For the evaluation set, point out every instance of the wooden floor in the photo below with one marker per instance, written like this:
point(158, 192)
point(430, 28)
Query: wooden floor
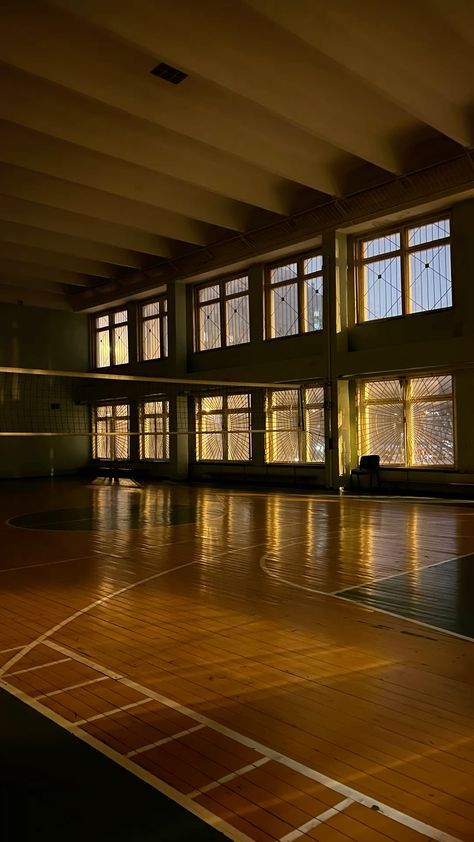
point(197, 637)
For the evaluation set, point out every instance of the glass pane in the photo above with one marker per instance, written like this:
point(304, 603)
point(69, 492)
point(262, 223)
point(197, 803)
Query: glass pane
point(381, 245)
point(314, 395)
point(314, 434)
point(382, 289)
point(283, 273)
point(313, 294)
point(427, 233)
point(313, 264)
point(284, 397)
point(430, 433)
point(164, 322)
point(151, 339)
point(210, 443)
point(212, 403)
point(121, 442)
point(208, 293)
point(237, 285)
point(121, 317)
point(381, 421)
point(284, 311)
point(429, 285)
point(101, 321)
point(121, 345)
point(103, 349)
point(238, 401)
point(382, 390)
point(282, 440)
point(151, 309)
point(102, 442)
point(237, 320)
point(210, 326)
point(238, 443)
point(122, 410)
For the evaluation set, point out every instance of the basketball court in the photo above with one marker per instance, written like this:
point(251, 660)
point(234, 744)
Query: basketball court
point(281, 665)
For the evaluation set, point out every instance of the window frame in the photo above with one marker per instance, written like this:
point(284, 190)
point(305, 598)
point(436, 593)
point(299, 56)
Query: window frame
point(224, 431)
point(112, 404)
point(404, 253)
point(303, 406)
point(404, 380)
point(110, 329)
point(165, 435)
point(162, 317)
point(299, 281)
point(222, 300)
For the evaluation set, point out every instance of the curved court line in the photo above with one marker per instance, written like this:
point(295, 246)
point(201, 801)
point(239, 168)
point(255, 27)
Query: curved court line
point(369, 608)
point(420, 569)
point(45, 564)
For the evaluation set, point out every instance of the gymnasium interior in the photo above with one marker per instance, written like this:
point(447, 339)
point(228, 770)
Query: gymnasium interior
point(236, 421)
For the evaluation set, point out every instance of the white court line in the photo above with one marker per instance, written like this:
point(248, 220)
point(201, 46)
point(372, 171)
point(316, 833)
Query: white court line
point(323, 817)
point(161, 786)
point(230, 777)
point(110, 712)
point(82, 660)
point(164, 740)
point(396, 575)
point(12, 649)
point(37, 667)
point(343, 789)
point(70, 687)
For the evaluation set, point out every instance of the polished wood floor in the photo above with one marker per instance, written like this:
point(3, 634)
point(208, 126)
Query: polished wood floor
point(197, 636)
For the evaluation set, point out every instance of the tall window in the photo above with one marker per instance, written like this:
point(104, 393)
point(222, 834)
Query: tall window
point(223, 428)
point(295, 425)
point(407, 270)
point(111, 431)
point(294, 296)
point(154, 430)
point(111, 338)
point(154, 329)
point(408, 421)
point(222, 314)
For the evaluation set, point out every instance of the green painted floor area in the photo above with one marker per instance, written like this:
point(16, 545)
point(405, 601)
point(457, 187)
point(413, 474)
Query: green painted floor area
point(55, 788)
point(442, 595)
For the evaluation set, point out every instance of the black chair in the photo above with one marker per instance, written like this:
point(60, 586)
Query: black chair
point(368, 466)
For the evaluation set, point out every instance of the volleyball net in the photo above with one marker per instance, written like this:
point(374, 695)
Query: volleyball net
point(136, 417)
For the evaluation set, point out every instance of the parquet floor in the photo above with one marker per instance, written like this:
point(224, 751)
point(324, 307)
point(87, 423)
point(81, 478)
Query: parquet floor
point(196, 636)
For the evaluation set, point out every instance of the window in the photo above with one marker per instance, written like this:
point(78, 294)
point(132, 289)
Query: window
point(222, 314)
point(407, 270)
point(111, 339)
point(154, 329)
point(295, 425)
point(223, 428)
point(294, 296)
point(408, 421)
point(154, 430)
point(111, 431)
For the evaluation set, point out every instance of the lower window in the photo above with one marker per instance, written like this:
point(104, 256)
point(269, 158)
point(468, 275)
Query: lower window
point(111, 432)
point(223, 428)
point(408, 421)
point(154, 430)
point(295, 425)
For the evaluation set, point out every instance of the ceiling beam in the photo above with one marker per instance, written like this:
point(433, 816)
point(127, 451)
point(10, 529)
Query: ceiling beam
point(66, 195)
point(86, 228)
point(19, 269)
point(31, 297)
point(54, 260)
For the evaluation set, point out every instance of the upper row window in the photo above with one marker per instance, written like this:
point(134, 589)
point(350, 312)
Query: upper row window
point(111, 334)
point(407, 270)
point(111, 339)
point(222, 314)
point(294, 296)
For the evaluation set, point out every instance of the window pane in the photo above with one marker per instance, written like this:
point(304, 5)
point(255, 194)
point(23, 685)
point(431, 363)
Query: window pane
point(283, 273)
point(381, 245)
point(313, 264)
point(151, 339)
point(381, 421)
point(209, 326)
point(101, 321)
point(208, 293)
point(121, 317)
point(151, 309)
point(430, 425)
point(314, 434)
point(212, 404)
point(121, 345)
point(237, 320)
point(102, 349)
point(121, 441)
point(313, 293)
point(314, 395)
point(430, 387)
point(429, 285)
point(237, 285)
point(102, 442)
point(283, 430)
point(164, 323)
point(427, 233)
point(382, 289)
point(210, 441)
point(238, 402)
point(238, 443)
point(284, 310)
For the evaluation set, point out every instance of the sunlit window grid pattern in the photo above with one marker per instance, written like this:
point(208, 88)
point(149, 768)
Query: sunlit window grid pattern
point(154, 430)
point(154, 329)
point(223, 428)
point(294, 296)
point(408, 422)
point(405, 271)
point(295, 425)
point(111, 426)
point(222, 314)
point(111, 339)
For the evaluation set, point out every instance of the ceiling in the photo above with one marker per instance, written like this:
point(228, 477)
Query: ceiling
point(108, 173)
